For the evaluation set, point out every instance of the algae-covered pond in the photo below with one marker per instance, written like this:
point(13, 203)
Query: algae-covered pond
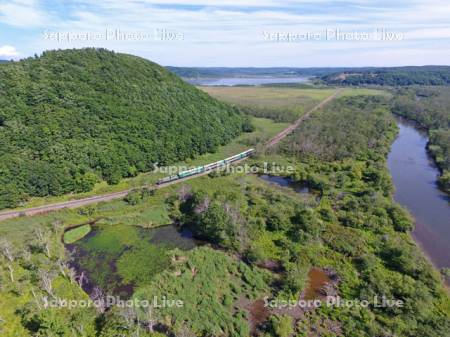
point(118, 258)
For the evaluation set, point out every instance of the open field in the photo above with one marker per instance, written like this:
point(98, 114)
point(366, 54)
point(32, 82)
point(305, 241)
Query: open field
point(280, 104)
point(277, 103)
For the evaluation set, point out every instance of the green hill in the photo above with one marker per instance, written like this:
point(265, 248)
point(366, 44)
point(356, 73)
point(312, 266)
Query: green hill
point(395, 76)
point(71, 117)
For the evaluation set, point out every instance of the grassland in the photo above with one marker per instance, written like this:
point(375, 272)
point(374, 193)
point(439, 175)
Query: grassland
point(277, 103)
point(280, 104)
point(75, 234)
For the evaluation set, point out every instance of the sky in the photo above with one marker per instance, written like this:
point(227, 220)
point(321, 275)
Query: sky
point(258, 33)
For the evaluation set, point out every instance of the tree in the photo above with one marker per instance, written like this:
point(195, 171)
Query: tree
point(282, 325)
point(7, 251)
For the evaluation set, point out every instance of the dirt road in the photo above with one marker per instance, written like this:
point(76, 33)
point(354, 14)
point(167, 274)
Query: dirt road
point(118, 195)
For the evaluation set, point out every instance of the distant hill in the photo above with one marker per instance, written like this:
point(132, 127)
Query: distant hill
point(393, 76)
point(71, 117)
point(396, 76)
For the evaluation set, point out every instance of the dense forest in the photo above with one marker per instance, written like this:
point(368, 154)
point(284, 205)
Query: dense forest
point(429, 106)
point(70, 118)
point(348, 128)
point(395, 76)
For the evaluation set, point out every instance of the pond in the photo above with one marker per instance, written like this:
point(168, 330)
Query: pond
point(415, 178)
point(287, 182)
point(118, 258)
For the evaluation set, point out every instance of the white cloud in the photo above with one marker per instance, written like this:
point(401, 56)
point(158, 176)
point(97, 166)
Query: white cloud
point(8, 51)
point(226, 32)
point(22, 13)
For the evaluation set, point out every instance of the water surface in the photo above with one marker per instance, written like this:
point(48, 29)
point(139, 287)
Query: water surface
point(286, 182)
point(254, 81)
point(118, 258)
point(415, 178)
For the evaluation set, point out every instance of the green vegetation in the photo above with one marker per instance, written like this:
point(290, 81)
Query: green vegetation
point(264, 130)
point(355, 229)
point(117, 257)
point(209, 283)
point(349, 225)
point(75, 234)
point(395, 76)
point(70, 118)
point(347, 128)
point(278, 104)
point(429, 106)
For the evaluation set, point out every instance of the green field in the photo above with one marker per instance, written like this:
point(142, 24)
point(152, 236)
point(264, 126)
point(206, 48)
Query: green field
point(277, 103)
point(75, 234)
point(281, 104)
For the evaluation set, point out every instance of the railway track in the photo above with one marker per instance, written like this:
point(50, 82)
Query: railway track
point(121, 194)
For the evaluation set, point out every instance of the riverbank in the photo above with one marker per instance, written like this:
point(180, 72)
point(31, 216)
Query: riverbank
point(414, 175)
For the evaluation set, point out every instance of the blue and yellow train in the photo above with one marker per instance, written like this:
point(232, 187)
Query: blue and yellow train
point(206, 168)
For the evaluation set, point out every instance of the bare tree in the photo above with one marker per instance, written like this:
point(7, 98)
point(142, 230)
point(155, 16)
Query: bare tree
point(129, 316)
point(57, 225)
point(44, 240)
point(36, 298)
point(72, 275)
point(82, 279)
point(26, 253)
point(46, 281)
point(98, 296)
point(7, 251)
point(63, 267)
point(11, 272)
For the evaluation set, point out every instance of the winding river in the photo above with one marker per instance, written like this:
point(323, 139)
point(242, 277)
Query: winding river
point(415, 178)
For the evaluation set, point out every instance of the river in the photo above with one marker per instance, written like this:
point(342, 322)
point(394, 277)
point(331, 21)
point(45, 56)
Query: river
point(415, 178)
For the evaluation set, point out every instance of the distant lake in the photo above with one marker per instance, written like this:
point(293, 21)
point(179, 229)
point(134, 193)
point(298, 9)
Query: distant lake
point(255, 81)
point(414, 175)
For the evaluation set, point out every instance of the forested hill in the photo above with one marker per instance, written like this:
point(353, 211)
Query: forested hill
point(396, 76)
point(71, 117)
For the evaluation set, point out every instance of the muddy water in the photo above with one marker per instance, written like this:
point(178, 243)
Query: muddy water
point(414, 175)
point(317, 280)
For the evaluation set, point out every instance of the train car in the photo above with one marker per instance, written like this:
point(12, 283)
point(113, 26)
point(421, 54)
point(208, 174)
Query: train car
point(205, 168)
point(191, 172)
point(166, 179)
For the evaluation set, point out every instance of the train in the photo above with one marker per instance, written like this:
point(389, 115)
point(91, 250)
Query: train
point(206, 168)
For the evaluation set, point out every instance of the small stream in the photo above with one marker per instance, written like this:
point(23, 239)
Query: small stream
point(415, 178)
